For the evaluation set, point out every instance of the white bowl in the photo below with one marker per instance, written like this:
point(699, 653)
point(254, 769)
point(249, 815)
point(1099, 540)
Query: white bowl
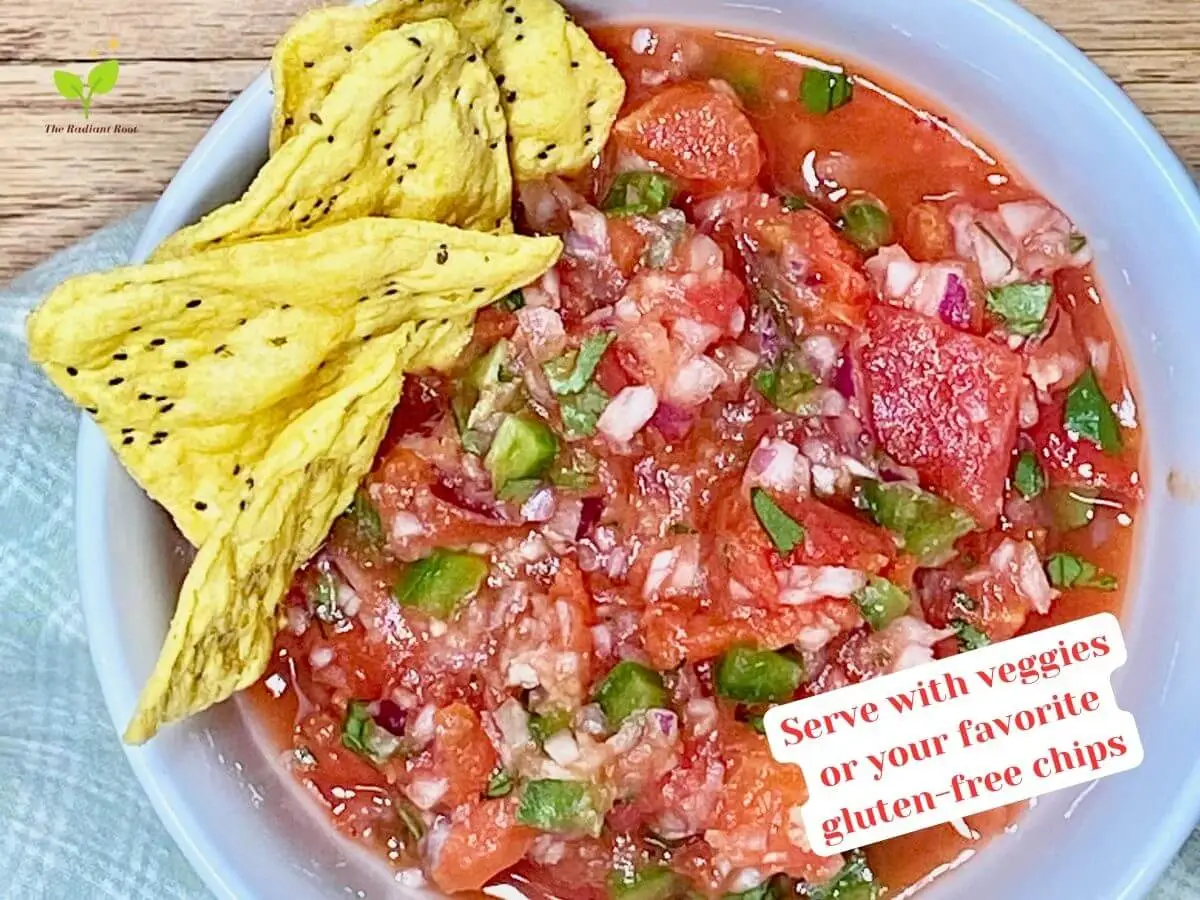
point(1047, 110)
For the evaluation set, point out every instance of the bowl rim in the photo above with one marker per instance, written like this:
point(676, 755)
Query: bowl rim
point(94, 459)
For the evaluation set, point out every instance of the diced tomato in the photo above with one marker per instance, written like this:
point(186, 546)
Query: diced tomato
point(799, 257)
point(672, 634)
point(483, 841)
point(462, 753)
point(717, 301)
point(588, 283)
point(835, 538)
point(627, 245)
point(945, 403)
point(610, 374)
point(646, 354)
point(742, 560)
point(757, 823)
point(1077, 462)
point(696, 133)
point(423, 401)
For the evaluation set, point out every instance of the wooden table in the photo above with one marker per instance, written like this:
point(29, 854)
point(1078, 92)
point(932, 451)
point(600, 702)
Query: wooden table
point(182, 61)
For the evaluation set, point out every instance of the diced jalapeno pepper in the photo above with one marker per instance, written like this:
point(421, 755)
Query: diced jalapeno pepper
point(563, 807)
point(788, 385)
point(551, 722)
point(365, 737)
point(646, 883)
point(866, 223)
point(926, 524)
point(440, 582)
point(523, 448)
point(969, 637)
point(1066, 570)
point(367, 524)
point(500, 784)
point(757, 676)
point(639, 194)
point(628, 688)
point(481, 375)
point(881, 602)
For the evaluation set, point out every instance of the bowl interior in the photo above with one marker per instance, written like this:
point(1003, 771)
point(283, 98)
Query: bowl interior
point(1043, 108)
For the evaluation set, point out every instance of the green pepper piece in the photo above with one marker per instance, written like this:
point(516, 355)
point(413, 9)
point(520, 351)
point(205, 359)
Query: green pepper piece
point(757, 676)
point(1077, 242)
point(475, 392)
point(969, 637)
point(1028, 477)
point(562, 807)
point(547, 724)
point(866, 223)
point(1022, 307)
point(854, 881)
point(523, 448)
point(788, 385)
point(499, 785)
point(793, 202)
point(518, 491)
point(628, 688)
point(1089, 414)
point(574, 469)
point(1066, 570)
point(881, 602)
point(639, 194)
point(322, 597)
point(927, 525)
point(785, 532)
point(823, 91)
point(441, 582)
point(580, 412)
point(764, 891)
point(646, 883)
point(571, 372)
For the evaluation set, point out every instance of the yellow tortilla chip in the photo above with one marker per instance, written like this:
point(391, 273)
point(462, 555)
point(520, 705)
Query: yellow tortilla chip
point(560, 93)
point(224, 625)
point(413, 129)
point(193, 367)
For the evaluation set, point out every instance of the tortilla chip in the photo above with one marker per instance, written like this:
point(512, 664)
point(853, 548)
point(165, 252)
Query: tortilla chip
point(561, 94)
point(224, 625)
point(414, 129)
point(193, 367)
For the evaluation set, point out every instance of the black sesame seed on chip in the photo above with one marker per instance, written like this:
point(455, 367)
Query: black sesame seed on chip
point(201, 505)
point(72, 371)
point(237, 469)
point(390, 292)
point(242, 505)
point(145, 397)
point(473, 58)
point(416, 42)
point(136, 328)
point(127, 441)
point(391, 160)
point(330, 139)
point(192, 304)
point(289, 122)
point(180, 364)
point(417, 83)
point(160, 434)
point(113, 382)
point(278, 341)
point(308, 65)
point(91, 409)
point(158, 342)
point(348, 49)
point(574, 64)
point(443, 255)
point(315, 118)
point(120, 357)
point(412, 167)
point(126, 431)
point(166, 407)
point(376, 133)
point(511, 96)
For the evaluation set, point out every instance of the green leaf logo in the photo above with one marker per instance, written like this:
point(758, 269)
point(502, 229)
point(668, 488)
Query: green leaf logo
point(69, 85)
point(100, 80)
point(103, 77)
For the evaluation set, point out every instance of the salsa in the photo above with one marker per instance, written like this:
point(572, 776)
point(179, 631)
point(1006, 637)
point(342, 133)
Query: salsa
point(819, 390)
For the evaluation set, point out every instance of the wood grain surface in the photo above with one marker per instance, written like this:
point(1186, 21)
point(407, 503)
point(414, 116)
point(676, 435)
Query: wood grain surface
point(183, 61)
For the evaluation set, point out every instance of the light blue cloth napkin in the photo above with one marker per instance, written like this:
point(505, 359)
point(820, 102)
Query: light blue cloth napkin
point(74, 824)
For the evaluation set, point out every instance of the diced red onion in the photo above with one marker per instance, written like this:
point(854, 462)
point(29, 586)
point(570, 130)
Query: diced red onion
point(695, 336)
point(911, 640)
point(955, 308)
point(1099, 352)
point(562, 747)
point(695, 382)
point(661, 566)
point(673, 422)
point(778, 466)
point(602, 639)
point(405, 525)
point(801, 585)
point(588, 237)
point(426, 792)
point(298, 618)
point(843, 376)
point(422, 726)
point(820, 352)
point(320, 656)
point(543, 330)
point(737, 361)
point(540, 507)
point(628, 413)
point(391, 717)
point(591, 509)
point(666, 720)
